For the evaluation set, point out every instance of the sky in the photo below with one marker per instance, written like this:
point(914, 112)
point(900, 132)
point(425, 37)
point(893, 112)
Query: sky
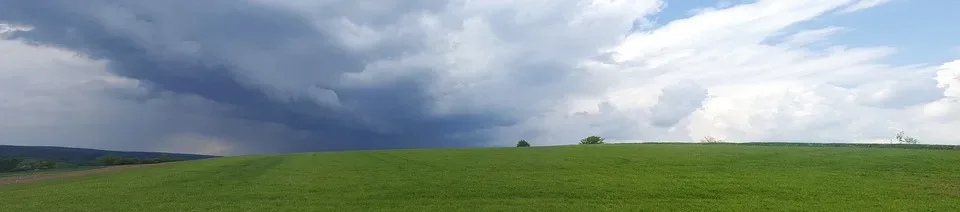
point(228, 77)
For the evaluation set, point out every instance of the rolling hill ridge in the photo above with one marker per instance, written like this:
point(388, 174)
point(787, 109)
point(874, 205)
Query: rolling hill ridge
point(607, 177)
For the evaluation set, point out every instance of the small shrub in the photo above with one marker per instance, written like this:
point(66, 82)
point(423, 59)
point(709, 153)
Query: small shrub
point(523, 143)
point(592, 140)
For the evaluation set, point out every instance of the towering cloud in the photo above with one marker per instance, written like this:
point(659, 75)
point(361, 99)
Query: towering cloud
point(234, 77)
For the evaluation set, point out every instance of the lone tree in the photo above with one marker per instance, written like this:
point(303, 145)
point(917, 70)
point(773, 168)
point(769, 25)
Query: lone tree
point(592, 140)
point(711, 140)
point(903, 139)
point(523, 143)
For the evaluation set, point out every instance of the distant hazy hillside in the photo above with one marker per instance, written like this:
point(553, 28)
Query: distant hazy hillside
point(81, 156)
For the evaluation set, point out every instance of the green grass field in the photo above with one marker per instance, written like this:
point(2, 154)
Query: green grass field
point(636, 177)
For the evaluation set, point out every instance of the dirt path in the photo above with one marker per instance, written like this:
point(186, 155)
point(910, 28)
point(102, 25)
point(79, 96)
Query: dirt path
point(58, 175)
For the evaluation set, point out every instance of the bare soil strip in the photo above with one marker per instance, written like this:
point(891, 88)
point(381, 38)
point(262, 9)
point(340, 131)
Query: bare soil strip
point(58, 175)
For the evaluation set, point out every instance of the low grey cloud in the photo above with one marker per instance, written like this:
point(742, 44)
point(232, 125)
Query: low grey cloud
point(329, 74)
point(249, 62)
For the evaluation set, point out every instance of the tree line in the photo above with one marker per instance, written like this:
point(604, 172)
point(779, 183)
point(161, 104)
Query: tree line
point(900, 138)
point(16, 164)
point(113, 160)
point(11, 164)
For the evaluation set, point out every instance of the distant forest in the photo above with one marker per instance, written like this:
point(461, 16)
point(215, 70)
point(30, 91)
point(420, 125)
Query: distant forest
point(34, 158)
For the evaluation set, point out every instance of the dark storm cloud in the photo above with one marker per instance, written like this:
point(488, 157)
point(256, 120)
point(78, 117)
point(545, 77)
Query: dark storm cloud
point(256, 60)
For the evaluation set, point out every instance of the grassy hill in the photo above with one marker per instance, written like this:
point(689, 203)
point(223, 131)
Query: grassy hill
point(637, 177)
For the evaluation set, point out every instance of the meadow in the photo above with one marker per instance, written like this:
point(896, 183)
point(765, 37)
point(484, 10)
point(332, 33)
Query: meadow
point(51, 171)
point(608, 177)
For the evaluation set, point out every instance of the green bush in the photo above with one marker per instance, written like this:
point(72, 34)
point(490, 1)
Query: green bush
point(592, 140)
point(9, 163)
point(523, 143)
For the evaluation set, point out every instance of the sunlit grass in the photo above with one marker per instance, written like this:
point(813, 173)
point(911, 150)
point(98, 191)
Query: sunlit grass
point(611, 177)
